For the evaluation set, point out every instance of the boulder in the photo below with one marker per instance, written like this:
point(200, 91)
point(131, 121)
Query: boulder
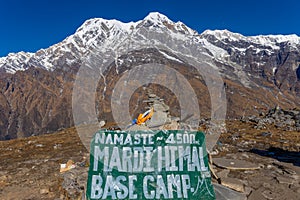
point(234, 164)
point(224, 193)
point(233, 183)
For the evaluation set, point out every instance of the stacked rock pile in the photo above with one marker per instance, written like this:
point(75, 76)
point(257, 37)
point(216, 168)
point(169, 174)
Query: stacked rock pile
point(161, 113)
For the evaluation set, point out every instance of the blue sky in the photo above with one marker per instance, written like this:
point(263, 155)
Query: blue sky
point(28, 25)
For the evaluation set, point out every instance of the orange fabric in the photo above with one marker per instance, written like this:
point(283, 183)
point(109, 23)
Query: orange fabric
point(142, 119)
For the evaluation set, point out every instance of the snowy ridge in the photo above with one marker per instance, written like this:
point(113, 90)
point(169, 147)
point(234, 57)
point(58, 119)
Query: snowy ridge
point(272, 41)
point(93, 28)
point(104, 33)
point(93, 32)
point(278, 38)
point(98, 28)
point(224, 34)
point(15, 61)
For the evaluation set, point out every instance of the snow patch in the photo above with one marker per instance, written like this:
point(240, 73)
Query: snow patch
point(216, 51)
point(170, 57)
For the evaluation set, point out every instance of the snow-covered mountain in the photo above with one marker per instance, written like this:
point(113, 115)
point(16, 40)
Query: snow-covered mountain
point(258, 71)
point(98, 31)
point(94, 32)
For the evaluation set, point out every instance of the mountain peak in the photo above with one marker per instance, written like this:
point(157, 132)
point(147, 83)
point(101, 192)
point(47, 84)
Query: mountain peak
point(157, 17)
point(96, 23)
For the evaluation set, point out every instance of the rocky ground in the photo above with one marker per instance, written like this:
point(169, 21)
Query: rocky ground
point(30, 167)
point(257, 158)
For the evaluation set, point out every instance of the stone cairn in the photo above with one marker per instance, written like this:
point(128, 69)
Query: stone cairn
point(161, 113)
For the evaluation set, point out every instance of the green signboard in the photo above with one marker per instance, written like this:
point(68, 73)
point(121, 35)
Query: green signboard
point(160, 164)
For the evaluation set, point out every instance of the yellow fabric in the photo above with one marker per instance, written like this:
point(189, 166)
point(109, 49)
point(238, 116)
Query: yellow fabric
point(142, 119)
